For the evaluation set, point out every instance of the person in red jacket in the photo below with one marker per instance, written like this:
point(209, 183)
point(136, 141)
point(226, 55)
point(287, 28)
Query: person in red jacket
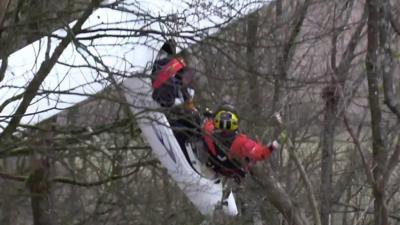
point(172, 78)
point(232, 153)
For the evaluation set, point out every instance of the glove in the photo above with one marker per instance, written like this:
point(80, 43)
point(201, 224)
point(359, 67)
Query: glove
point(278, 117)
point(189, 105)
point(274, 145)
point(208, 113)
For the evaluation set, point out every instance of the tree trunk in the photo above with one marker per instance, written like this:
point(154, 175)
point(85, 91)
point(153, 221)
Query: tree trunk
point(251, 47)
point(378, 148)
point(39, 185)
point(282, 201)
point(8, 210)
point(390, 94)
point(279, 71)
point(329, 95)
point(3, 10)
point(331, 106)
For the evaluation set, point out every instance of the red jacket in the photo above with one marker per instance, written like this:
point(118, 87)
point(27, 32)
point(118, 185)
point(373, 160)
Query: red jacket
point(243, 149)
point(168, 71)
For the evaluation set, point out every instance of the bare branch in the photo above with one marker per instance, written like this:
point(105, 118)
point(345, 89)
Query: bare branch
point(298, 23)
point(303, 174)
point(42, 73)
point(12, 177)
point(357, 144)
point(107, 180)
point(3, 68)
point(393, 160)
point(281, 200)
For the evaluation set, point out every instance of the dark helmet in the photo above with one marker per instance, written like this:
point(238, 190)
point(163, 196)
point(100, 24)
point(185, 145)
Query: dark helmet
point(169, 47)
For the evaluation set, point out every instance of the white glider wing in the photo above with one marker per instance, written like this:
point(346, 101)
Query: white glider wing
point(205, 194)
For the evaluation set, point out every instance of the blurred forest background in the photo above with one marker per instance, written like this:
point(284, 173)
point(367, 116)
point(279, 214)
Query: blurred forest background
point(331, 68)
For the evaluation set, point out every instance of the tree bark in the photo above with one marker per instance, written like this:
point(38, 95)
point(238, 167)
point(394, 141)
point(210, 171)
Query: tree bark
point(251, 47)
point(39, 185)
point(7, 211)
point(3, 10)
point(378, 148)
point(385, 24)
point(282, 201)
point(327, 144)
